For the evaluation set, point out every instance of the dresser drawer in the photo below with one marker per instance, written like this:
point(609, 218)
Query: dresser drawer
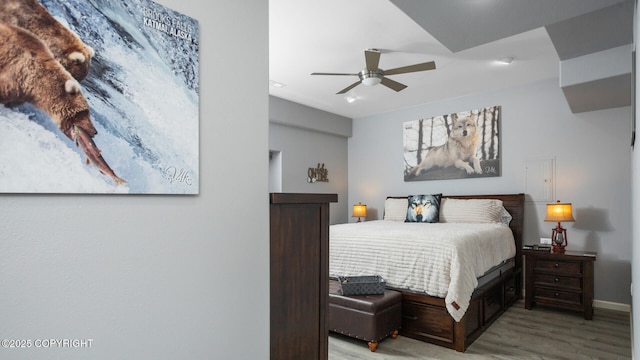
point(560, 281)
point(542, 294)
point(559, 266)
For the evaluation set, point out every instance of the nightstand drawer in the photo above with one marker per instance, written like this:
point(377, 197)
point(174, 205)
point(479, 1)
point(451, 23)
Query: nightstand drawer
point(564, 282)
point(542, 294)
point(560, 266)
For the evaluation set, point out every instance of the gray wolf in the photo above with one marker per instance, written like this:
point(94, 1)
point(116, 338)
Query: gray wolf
point(424, 208)
point(459, 150)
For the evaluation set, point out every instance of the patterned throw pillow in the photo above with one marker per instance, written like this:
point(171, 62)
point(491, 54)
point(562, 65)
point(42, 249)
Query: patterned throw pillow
point(424, 208)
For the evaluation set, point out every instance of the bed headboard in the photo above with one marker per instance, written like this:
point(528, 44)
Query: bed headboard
point(514, 203)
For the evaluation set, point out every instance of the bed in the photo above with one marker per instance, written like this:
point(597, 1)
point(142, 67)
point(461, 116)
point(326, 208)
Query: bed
point(450, 294)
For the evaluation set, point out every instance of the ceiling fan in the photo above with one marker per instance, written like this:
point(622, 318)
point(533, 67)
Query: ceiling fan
point(372, 75)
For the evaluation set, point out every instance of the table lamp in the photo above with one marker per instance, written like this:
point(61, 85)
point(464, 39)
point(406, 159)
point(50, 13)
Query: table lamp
point(559, 212)
point(359, 210)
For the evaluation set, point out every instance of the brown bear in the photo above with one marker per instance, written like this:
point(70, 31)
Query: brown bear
point(30, 73)
point(65, 45)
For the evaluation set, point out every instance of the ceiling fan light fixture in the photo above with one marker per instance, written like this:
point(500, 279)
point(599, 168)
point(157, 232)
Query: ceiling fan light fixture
point(371, 81)
point(372, 75)
point(370, 78)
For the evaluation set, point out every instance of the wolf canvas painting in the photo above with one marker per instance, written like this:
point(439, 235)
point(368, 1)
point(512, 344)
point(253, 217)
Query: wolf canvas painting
point(453, 146)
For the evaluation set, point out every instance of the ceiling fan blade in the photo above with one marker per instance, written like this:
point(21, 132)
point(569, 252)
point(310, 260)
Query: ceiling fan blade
point(349, 87)
point(411, 68)
point(394, 85)
point(372, 57)
point(340, 74)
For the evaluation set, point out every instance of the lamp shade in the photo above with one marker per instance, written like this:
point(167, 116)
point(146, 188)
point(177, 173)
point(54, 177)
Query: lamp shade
point(559, 212)
point(359, 210)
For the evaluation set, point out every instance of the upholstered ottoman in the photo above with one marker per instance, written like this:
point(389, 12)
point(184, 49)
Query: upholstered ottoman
point(365, 317)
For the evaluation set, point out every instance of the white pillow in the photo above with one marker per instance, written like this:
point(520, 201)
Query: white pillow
point(395, 209)
point(471, 211)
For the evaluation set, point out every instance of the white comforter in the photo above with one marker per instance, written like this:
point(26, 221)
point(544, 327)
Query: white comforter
point(440, 259)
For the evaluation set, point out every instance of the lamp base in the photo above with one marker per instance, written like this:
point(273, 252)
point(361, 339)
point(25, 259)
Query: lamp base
point(558, 249)
point(559, 239)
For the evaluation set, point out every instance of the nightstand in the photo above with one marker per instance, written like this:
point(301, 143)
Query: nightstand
point(560, 280)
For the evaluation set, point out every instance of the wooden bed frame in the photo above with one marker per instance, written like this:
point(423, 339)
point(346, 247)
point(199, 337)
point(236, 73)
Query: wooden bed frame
point(426, 318)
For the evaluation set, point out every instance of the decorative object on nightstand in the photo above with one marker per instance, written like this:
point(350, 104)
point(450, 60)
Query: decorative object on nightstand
point(536, 247)
point(559, 212)
point(359, 210)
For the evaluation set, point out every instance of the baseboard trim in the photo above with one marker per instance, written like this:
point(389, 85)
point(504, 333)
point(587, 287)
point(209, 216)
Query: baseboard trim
point(601, 304)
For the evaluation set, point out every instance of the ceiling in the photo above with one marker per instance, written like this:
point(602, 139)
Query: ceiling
point(465, 38)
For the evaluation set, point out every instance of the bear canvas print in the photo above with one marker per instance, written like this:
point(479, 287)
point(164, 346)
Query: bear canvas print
point(98, 97)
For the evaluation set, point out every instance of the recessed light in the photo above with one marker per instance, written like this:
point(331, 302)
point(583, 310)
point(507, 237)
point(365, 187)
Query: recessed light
point(350, 99)
point(276, 84)
point(506, 60)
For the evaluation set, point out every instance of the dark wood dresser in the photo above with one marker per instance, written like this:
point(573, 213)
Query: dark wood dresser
point(561, 280)
point(299, 275)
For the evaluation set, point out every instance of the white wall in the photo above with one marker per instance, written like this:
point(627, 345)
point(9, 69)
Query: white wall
point(591, 151)
point(305, 137)
point(158, 277)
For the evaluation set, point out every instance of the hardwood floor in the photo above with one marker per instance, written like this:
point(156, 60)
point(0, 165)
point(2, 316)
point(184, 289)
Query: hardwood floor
point(540, 333)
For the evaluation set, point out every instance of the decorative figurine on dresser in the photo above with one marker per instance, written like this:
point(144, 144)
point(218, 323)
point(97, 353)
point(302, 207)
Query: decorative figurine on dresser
point(557, 277)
